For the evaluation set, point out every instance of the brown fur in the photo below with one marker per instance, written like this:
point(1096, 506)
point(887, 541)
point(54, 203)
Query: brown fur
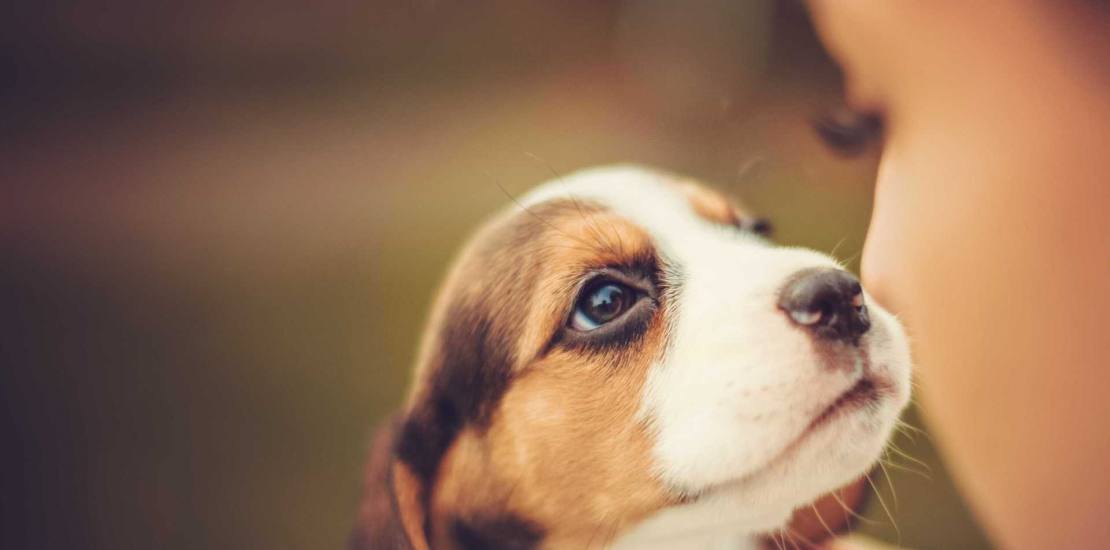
point(712, 205)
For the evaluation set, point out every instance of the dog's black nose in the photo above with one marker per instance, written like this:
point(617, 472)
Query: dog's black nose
point(828, 302)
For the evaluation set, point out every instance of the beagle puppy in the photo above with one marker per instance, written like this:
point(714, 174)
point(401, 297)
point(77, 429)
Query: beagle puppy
point(621, 360)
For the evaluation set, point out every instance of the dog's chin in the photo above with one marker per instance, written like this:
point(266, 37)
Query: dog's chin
point(841, 444)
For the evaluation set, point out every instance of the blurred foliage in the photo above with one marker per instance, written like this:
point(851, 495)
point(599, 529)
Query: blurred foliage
point(224, 223)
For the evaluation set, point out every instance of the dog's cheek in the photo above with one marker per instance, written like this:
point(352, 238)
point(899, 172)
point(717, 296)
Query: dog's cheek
point(568, 431)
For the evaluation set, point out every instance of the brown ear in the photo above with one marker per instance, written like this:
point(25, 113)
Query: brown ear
point(832, 514)
point(391, 515)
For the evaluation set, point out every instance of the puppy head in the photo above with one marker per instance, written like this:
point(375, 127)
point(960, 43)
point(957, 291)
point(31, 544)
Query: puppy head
point(620, 357)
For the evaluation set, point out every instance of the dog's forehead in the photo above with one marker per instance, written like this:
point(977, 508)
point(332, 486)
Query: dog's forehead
point(665, 205)
point(644, 196)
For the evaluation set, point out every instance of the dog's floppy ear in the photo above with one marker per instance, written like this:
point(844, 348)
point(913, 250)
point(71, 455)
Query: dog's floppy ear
point(831, 515)
point(391, 515)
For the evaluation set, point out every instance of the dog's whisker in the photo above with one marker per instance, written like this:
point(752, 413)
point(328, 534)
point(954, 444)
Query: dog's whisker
point(907, 456)
point(551, 169)
point(909, 431)
point(594, 228)
point(620, 240)
point(821, 520)
point(848, 509)
point(805, 539)
point(780, 545)
point(532, 213)
point(893, 447)
point(747, 169)
point(886, 510)
point(912, 428)
point(837, 246)
point(886, 456)
point(908, 469)
point(590, 220)
point(789, 539)
point(906, 434)
point(889, 483)
point(853, 257)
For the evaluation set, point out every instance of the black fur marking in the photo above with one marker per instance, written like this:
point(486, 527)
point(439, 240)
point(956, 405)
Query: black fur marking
point(475, 370)
point(503, 533)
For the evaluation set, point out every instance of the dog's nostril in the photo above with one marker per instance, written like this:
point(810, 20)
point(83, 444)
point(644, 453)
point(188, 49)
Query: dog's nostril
point(829, 302)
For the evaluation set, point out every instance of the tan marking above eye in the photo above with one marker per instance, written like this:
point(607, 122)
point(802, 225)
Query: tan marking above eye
point(580, 239)
point(711, 204)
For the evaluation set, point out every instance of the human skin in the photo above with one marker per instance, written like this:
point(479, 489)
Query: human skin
point(990, 238)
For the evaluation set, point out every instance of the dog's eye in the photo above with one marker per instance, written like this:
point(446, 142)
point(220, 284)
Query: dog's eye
point(614, 307)
point(600, 304)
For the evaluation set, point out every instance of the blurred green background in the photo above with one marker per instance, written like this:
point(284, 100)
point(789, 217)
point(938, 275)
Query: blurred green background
point(222, 224)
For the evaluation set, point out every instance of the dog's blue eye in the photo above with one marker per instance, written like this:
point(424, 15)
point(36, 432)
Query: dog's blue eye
point(600, 305)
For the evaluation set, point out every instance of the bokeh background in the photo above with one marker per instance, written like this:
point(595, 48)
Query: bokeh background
point(221, 224)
